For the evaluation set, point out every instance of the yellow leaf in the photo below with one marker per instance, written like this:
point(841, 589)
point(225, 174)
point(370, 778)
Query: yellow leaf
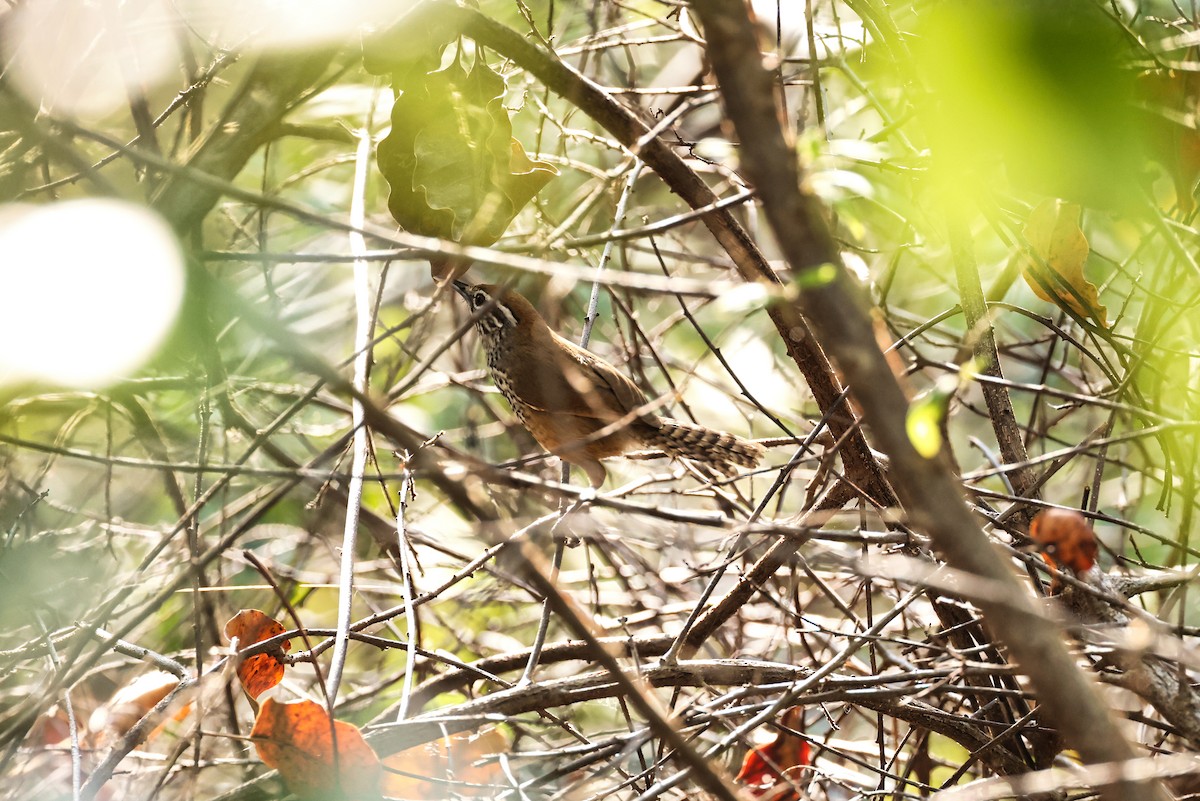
point(924, 425)
point(1054, 235)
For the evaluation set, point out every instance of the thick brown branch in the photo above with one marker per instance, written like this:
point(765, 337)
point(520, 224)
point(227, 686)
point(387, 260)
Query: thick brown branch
point(981, 334)
point(928, 492)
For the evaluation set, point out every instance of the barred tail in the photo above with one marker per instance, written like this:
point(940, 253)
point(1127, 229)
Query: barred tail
point(700, 444)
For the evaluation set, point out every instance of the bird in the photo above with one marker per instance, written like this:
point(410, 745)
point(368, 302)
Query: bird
point(576, 405)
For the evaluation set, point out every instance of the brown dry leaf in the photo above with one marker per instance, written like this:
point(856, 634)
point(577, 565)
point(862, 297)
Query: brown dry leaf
point(295, 739)
point(435, 769)
point(1054, 234)
point(130, 704)
point(53, 727)
point(260, 672)
point(445, 269)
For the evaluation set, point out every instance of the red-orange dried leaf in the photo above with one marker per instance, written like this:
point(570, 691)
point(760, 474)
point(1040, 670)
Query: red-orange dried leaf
point(131, 703)
point(764, 768)
point(1065, 539)
point(260, 672)
point(453, 763)
point(296, 739)
point(53, 727)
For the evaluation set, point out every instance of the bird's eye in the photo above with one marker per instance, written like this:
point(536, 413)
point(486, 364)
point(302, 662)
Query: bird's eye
point(479, 299)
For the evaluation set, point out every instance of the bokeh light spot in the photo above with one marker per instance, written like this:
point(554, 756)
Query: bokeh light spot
point(88, 290)
point(85, 59)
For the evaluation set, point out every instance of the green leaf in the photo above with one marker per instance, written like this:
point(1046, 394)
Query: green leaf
point(817, 277)
point(924, 425)
point(1038, 92)
point(426, 33)
point(455, 170)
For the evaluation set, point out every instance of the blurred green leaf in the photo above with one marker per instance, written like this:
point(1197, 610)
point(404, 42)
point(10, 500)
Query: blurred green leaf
point(817, 277)
point(45, 576)
point(1039, 89)
point(923, 425)
point(455, 170)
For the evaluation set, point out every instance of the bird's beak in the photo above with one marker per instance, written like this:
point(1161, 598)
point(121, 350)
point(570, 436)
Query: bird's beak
point(462, 288)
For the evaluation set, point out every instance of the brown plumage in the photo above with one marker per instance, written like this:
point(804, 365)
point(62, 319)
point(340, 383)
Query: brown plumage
point(566, 395)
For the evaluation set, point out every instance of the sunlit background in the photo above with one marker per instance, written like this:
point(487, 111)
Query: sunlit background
point(88, 290)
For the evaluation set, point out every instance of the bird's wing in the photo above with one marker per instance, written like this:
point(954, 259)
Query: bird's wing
point(593, 387)
point(614, 392)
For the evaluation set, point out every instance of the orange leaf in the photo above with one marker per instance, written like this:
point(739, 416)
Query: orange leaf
point(53, 727)
point(297, 740)
point(131, 703)
point(1065, 539)
point(260, 672)
point(765, 766)
point(435, 769)
point(1054, 234)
